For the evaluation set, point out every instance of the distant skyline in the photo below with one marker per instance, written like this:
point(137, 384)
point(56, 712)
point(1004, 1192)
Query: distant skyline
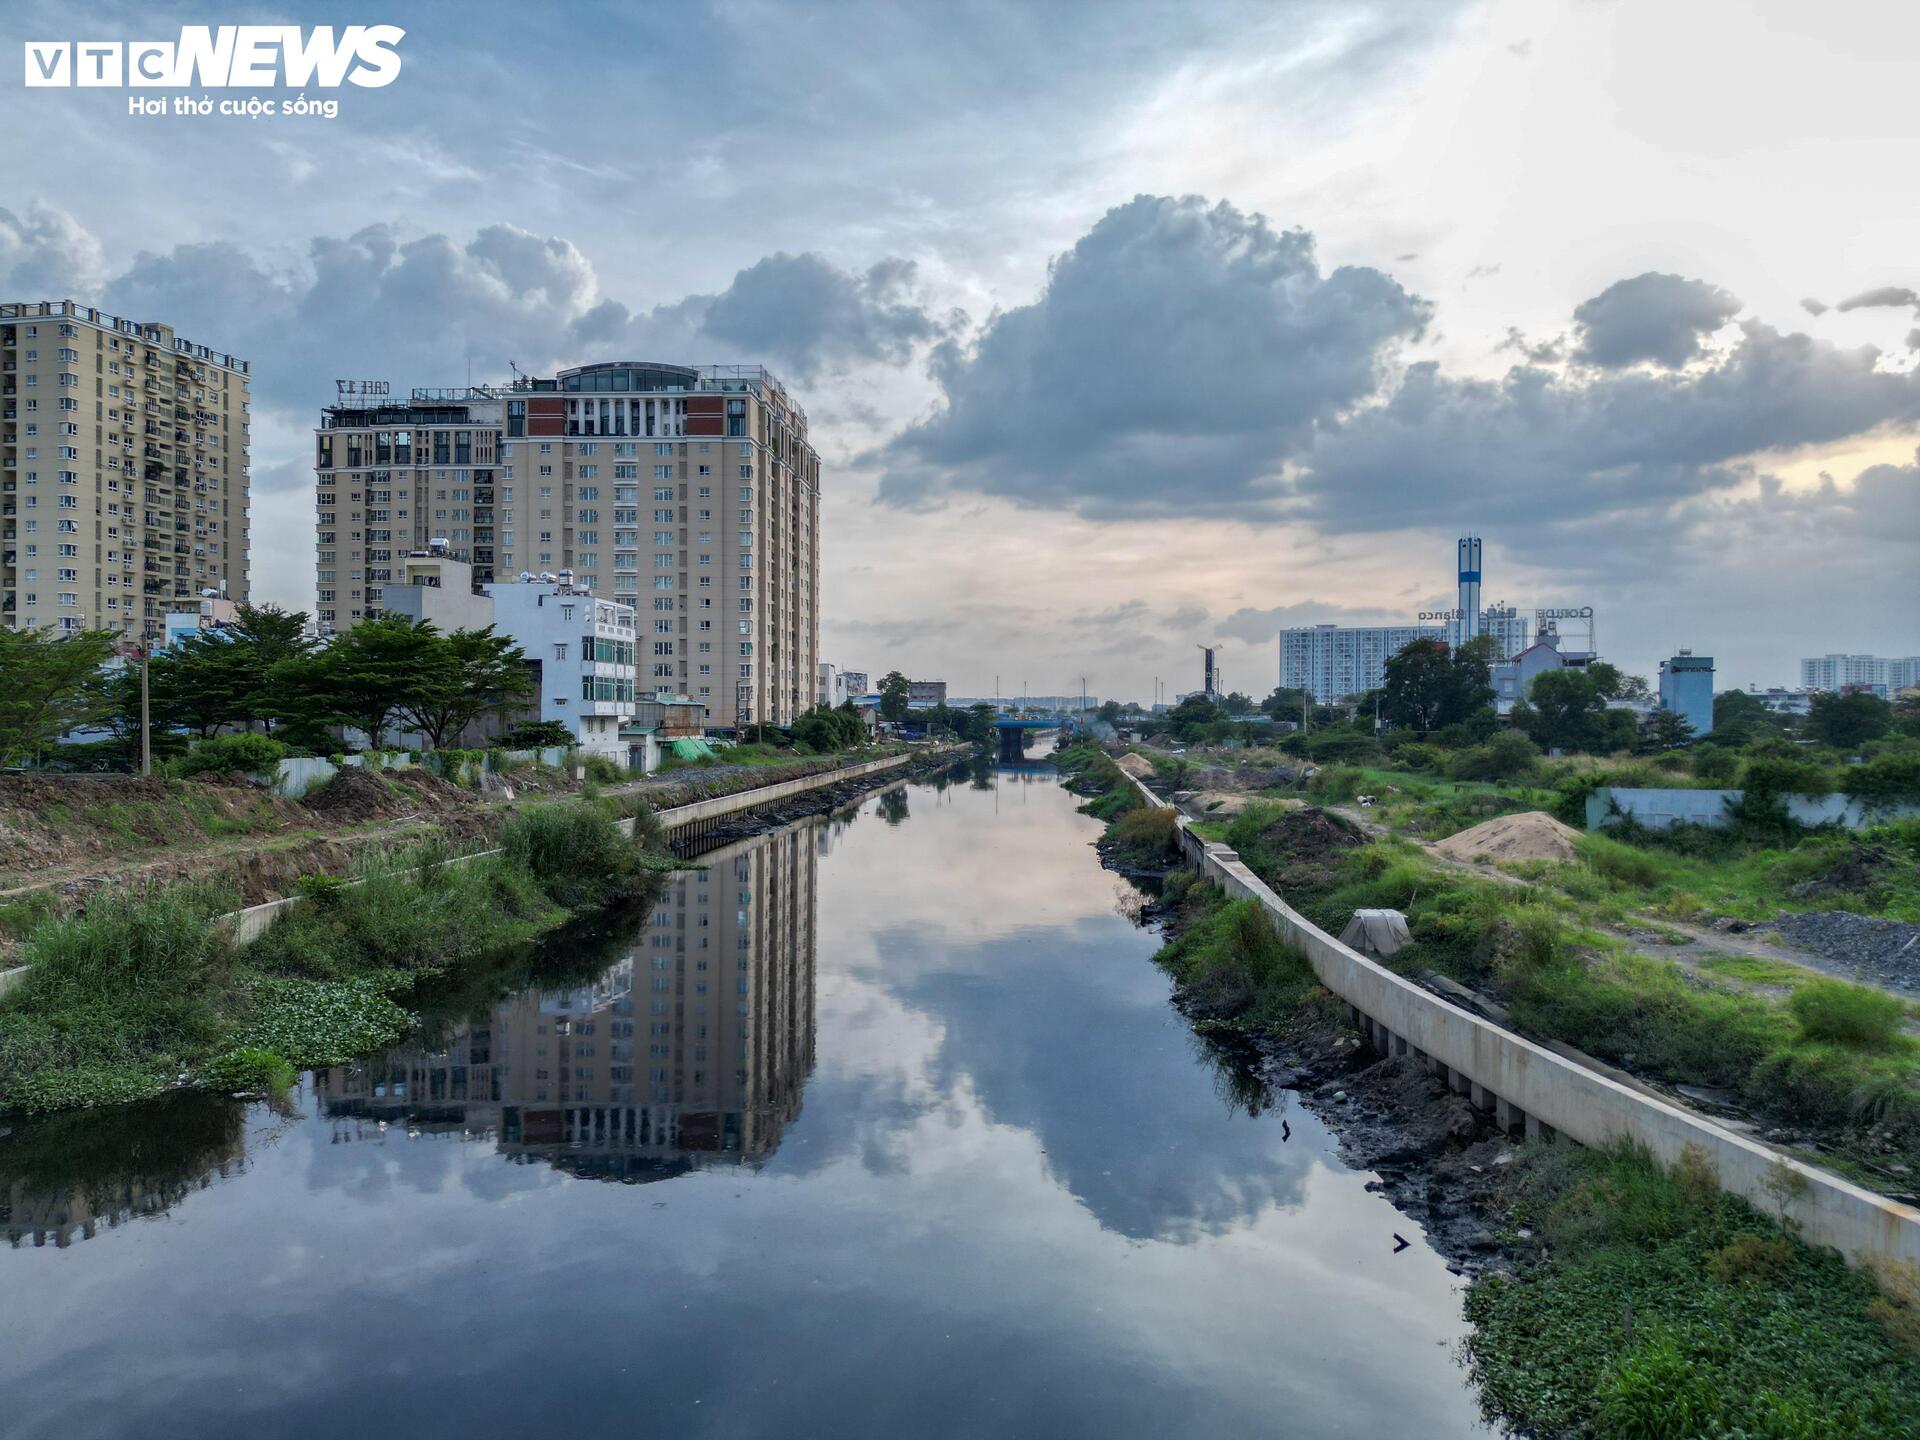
point(1185, 326)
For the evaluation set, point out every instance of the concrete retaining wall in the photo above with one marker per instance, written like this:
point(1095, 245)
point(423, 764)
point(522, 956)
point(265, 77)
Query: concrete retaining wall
point(1658, 809)
point(1532, 1089)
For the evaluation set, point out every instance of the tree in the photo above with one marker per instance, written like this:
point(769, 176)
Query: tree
point(1607, 679)
point(894, 689)
point(1665, 730)
point(1564, 710)
point(370, 673)
point(1109, 712)
point(468, 674)
point(982, 718)
point(1418, 691)
point(47, 687)
point(1662, 730)
point(825, 730)
point(1286, 703)
point(1850, 720)
point(202, 682)
point(1237, 704)
point(1194, 717)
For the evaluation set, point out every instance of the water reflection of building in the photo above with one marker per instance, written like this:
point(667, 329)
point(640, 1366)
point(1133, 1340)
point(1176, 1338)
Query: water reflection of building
point(690, 1049)
point(66, 1177)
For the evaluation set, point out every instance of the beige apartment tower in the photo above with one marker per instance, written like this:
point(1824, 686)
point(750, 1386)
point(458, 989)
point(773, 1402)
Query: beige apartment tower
point(691, 494)
point(123, 460)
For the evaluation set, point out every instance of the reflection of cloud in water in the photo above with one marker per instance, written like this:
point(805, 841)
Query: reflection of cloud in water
point(1103, 1076)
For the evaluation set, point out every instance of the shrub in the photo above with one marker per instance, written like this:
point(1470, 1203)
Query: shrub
point(602, 771)
point(1769, 778)
point(1146, 835)
point(1884, 780)
point(1846, 1014)
point(228, 754)
point(1509, 755)
point(575, 853)
point(1714, 764)
point(537, 735)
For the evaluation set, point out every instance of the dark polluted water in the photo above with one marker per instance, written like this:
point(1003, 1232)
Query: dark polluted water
point(881, 1125)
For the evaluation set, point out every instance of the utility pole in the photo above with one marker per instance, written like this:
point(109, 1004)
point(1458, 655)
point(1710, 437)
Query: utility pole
point(146, 714)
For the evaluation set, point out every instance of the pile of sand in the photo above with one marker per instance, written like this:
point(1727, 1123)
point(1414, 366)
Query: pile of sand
point(1218, 804)
point(1137, 766)
point(1530, 835)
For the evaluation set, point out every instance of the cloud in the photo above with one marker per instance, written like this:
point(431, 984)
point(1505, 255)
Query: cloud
point(1815, 308)
point(47, 255)
point(1653, 317)
point(1177, 350)
point(1884, 297)
point(1261, 627)
point(1540, 447)
point(432, 310)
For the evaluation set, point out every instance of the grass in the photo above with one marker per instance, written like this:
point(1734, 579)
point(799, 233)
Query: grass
point(1145, 835)
point(1665, 1308)
point(1234, 967)
point(1834, 1063)
point(144, 989)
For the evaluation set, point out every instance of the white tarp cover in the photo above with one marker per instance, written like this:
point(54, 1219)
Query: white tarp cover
point(1379, 933)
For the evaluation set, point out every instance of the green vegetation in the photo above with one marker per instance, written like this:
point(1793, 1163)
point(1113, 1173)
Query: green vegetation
point(1652, 1305)
point(1232, 964)
point(233, 754)
point(144, 988)
point(1663, 1309)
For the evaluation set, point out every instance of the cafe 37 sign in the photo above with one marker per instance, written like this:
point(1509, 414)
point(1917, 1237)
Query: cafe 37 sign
point(224, 57)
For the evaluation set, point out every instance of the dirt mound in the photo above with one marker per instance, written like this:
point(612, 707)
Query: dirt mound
point(1137, 766)
point(357, 794)
point(1530, 835)
point(1218, 804)
point(1860, 869)
point(53, 820)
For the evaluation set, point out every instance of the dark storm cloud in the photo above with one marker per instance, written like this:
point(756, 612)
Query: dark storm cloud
point(1177, 351)
point(1653, 317)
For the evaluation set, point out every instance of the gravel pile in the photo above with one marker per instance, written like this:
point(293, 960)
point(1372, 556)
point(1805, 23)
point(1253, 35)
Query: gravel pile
point(1857, 947)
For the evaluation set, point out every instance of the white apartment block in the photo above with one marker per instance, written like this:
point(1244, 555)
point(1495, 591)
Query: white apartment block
point(691, 494)
point(584, 647)
point(1884, 677)
point(123, 462)
point(1331, 662)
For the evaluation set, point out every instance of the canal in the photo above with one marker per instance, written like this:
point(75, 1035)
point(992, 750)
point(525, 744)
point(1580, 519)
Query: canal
point(879, 1125)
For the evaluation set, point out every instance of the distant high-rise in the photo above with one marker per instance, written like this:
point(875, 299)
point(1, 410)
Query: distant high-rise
point(691, 494)
point(123, 455)
point(1467, 625)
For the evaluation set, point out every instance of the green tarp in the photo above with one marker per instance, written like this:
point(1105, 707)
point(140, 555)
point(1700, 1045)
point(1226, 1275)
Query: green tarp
point(693, 749)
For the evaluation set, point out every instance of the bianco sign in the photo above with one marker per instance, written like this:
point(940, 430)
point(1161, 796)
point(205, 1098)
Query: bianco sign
point(257, 57)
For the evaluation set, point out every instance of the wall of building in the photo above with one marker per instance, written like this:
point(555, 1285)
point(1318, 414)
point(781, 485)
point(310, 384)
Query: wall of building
point(593, 695)
point(123, 458)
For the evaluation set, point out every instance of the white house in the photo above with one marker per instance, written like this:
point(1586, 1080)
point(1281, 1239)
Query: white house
point(582, 648)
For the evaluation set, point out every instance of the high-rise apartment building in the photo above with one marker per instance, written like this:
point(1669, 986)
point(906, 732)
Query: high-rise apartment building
point(123, 461)
point(691, 494)
point(1875, 673)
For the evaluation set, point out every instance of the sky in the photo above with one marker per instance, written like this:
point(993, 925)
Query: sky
point(1121, 327)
